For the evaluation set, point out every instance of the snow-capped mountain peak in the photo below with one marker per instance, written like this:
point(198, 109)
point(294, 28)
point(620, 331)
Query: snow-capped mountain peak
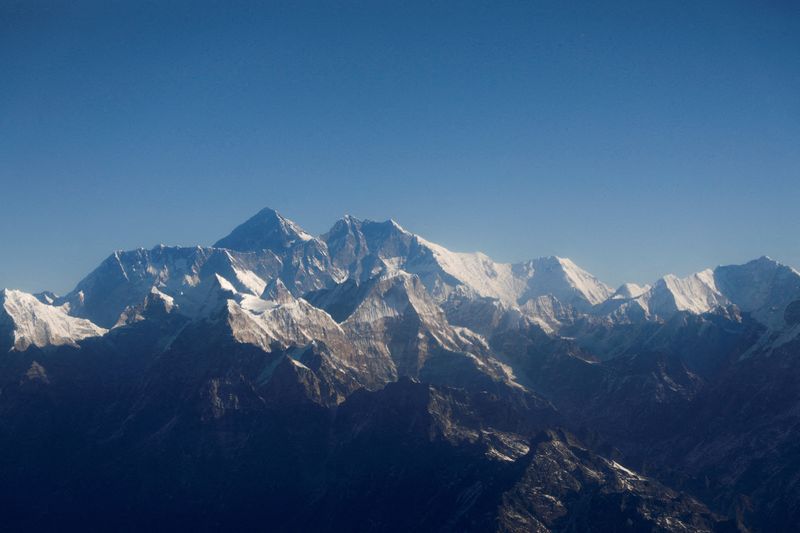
point(562, 278)
point(697, 293)
point(269, 257)
point(32, 322)
point(358, 246)
point(266, 230)
point(763, 287)
point(626, 291)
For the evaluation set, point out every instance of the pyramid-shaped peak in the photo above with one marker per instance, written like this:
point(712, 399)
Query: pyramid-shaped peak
point(764, 261)
point(630, 290)
point(278, 292)
point(562, 278)
point(392, 222)
point(266, 230)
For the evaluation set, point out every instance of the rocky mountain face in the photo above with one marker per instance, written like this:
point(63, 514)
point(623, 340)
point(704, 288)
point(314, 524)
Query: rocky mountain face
point(368, 379)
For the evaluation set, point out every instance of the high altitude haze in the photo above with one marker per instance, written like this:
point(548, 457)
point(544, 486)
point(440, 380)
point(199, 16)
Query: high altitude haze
point(635, 139)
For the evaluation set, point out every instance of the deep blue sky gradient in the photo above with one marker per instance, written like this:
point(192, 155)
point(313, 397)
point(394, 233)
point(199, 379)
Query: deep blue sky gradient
point(637, 138)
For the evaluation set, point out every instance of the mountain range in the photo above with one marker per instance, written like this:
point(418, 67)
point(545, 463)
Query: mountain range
point(368, 379)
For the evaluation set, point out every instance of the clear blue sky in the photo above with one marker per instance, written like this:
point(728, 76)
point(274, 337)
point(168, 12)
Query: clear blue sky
point(637, 138)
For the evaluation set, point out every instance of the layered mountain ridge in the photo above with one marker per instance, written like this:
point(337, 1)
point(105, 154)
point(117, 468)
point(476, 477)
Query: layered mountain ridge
point(524, 386)
point(550, 291)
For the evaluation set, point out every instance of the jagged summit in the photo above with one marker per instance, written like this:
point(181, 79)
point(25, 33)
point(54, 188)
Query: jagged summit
point(266, 230)
point(762, 287)
point(31, 322)
point(271, 258)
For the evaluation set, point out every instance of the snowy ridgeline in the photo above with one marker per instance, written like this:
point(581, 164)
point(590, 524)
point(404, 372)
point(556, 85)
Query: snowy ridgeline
point(278, 283)
point(39, 323)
